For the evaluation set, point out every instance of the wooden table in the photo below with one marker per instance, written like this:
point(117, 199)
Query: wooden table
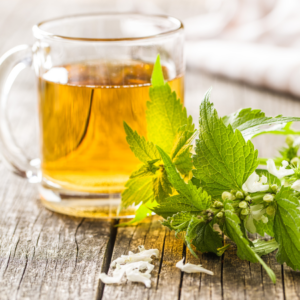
point(44, 255)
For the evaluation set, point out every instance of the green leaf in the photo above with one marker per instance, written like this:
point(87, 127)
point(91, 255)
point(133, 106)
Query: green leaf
point(280, 129)
point(286, 228)
point(262, 247)
point(196, 197)
point(222, 250)
point(249, 122)
point(181, 152)
point(207, 239)
point(271, 178)
point(223, 159)
point(242, 116)
point(162, 187)
point(145, 151)
point(149, 169)
point(141, 213)
point(173, 205)
point(262, 228)
point(233, 231)
point(178, 222)
point(139, 189)
point(157, 78)
point(165, 114)
point(191, 232)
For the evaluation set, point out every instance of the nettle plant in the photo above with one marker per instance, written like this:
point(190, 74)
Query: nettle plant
point(218, 180)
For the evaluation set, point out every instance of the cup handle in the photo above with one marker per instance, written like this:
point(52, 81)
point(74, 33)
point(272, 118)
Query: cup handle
point(11, 64)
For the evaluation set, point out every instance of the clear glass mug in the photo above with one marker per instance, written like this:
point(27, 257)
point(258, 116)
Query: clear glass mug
point(93, 73)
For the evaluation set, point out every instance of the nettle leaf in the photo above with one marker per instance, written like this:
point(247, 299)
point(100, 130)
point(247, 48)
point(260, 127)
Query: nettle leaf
point(181, 151)
point(138, 190)
point(145, 151)
point(223, 159)
point(165, 114)
point(249, 122)
point(207, 239)
point(149, 169)
point(262, 247)
point(178, 222)
point(286, 228)
point(162, 187)
point(140, 214)
point(191, 233)
point(173, 205)
point(196, 196)
point(262, 228)
point(233, 231)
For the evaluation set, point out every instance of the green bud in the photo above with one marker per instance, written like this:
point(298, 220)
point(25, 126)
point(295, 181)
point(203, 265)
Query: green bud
point(220, 215)
point(233, 192)
point(208, 211)
point(290, 140)
point(264, 219)
point(245, 211)
point(218, 204)
point(209, 214)
point(239, 195)
point(226, 195)
point(243, 204)
point(295, 161)
point(268, 197)
point(270, 210)
point(245, 193)
point(274, 188)
point(248, 198)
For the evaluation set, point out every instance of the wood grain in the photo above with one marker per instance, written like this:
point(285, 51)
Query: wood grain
point(44, 255)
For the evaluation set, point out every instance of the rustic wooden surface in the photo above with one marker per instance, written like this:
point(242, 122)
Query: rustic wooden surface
point(44, 255)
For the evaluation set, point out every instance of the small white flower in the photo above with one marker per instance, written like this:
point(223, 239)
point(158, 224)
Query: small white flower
point(249, 224)
point(282, 172)
point(191, 268)
point(263, 179)
point(253, 184)
point(268, 197)
point(257, 211)
point(135, 275)
point(110, 280)
point(264, 219)
point(296, 185)
point(132, 265)
point(143, 255)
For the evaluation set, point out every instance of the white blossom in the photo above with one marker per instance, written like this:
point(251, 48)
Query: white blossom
point(132, 265)
point(257, 211)
point(296, 185)
point(110, 280)
point(191, 268)
point(282, 172)
point(264, 219)
point(255, 184)
point(143, 255)
point(268, 197)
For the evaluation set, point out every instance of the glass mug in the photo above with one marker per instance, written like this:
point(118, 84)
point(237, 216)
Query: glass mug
point(93, 73)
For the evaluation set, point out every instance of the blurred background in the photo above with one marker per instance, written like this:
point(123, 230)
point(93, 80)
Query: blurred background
point(248, 50)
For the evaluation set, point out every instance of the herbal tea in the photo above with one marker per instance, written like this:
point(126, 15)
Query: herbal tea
point(82, 135)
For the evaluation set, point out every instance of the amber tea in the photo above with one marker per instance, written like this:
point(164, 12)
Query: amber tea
point(82, 135)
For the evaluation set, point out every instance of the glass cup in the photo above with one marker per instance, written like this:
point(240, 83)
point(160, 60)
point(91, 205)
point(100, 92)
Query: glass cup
point(93, 73)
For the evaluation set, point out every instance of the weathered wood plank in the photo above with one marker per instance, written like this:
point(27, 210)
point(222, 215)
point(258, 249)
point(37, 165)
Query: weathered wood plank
point(46, 255)
point(244, 280)
point(202, 286)
point(166, 277)
point(291, 283)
